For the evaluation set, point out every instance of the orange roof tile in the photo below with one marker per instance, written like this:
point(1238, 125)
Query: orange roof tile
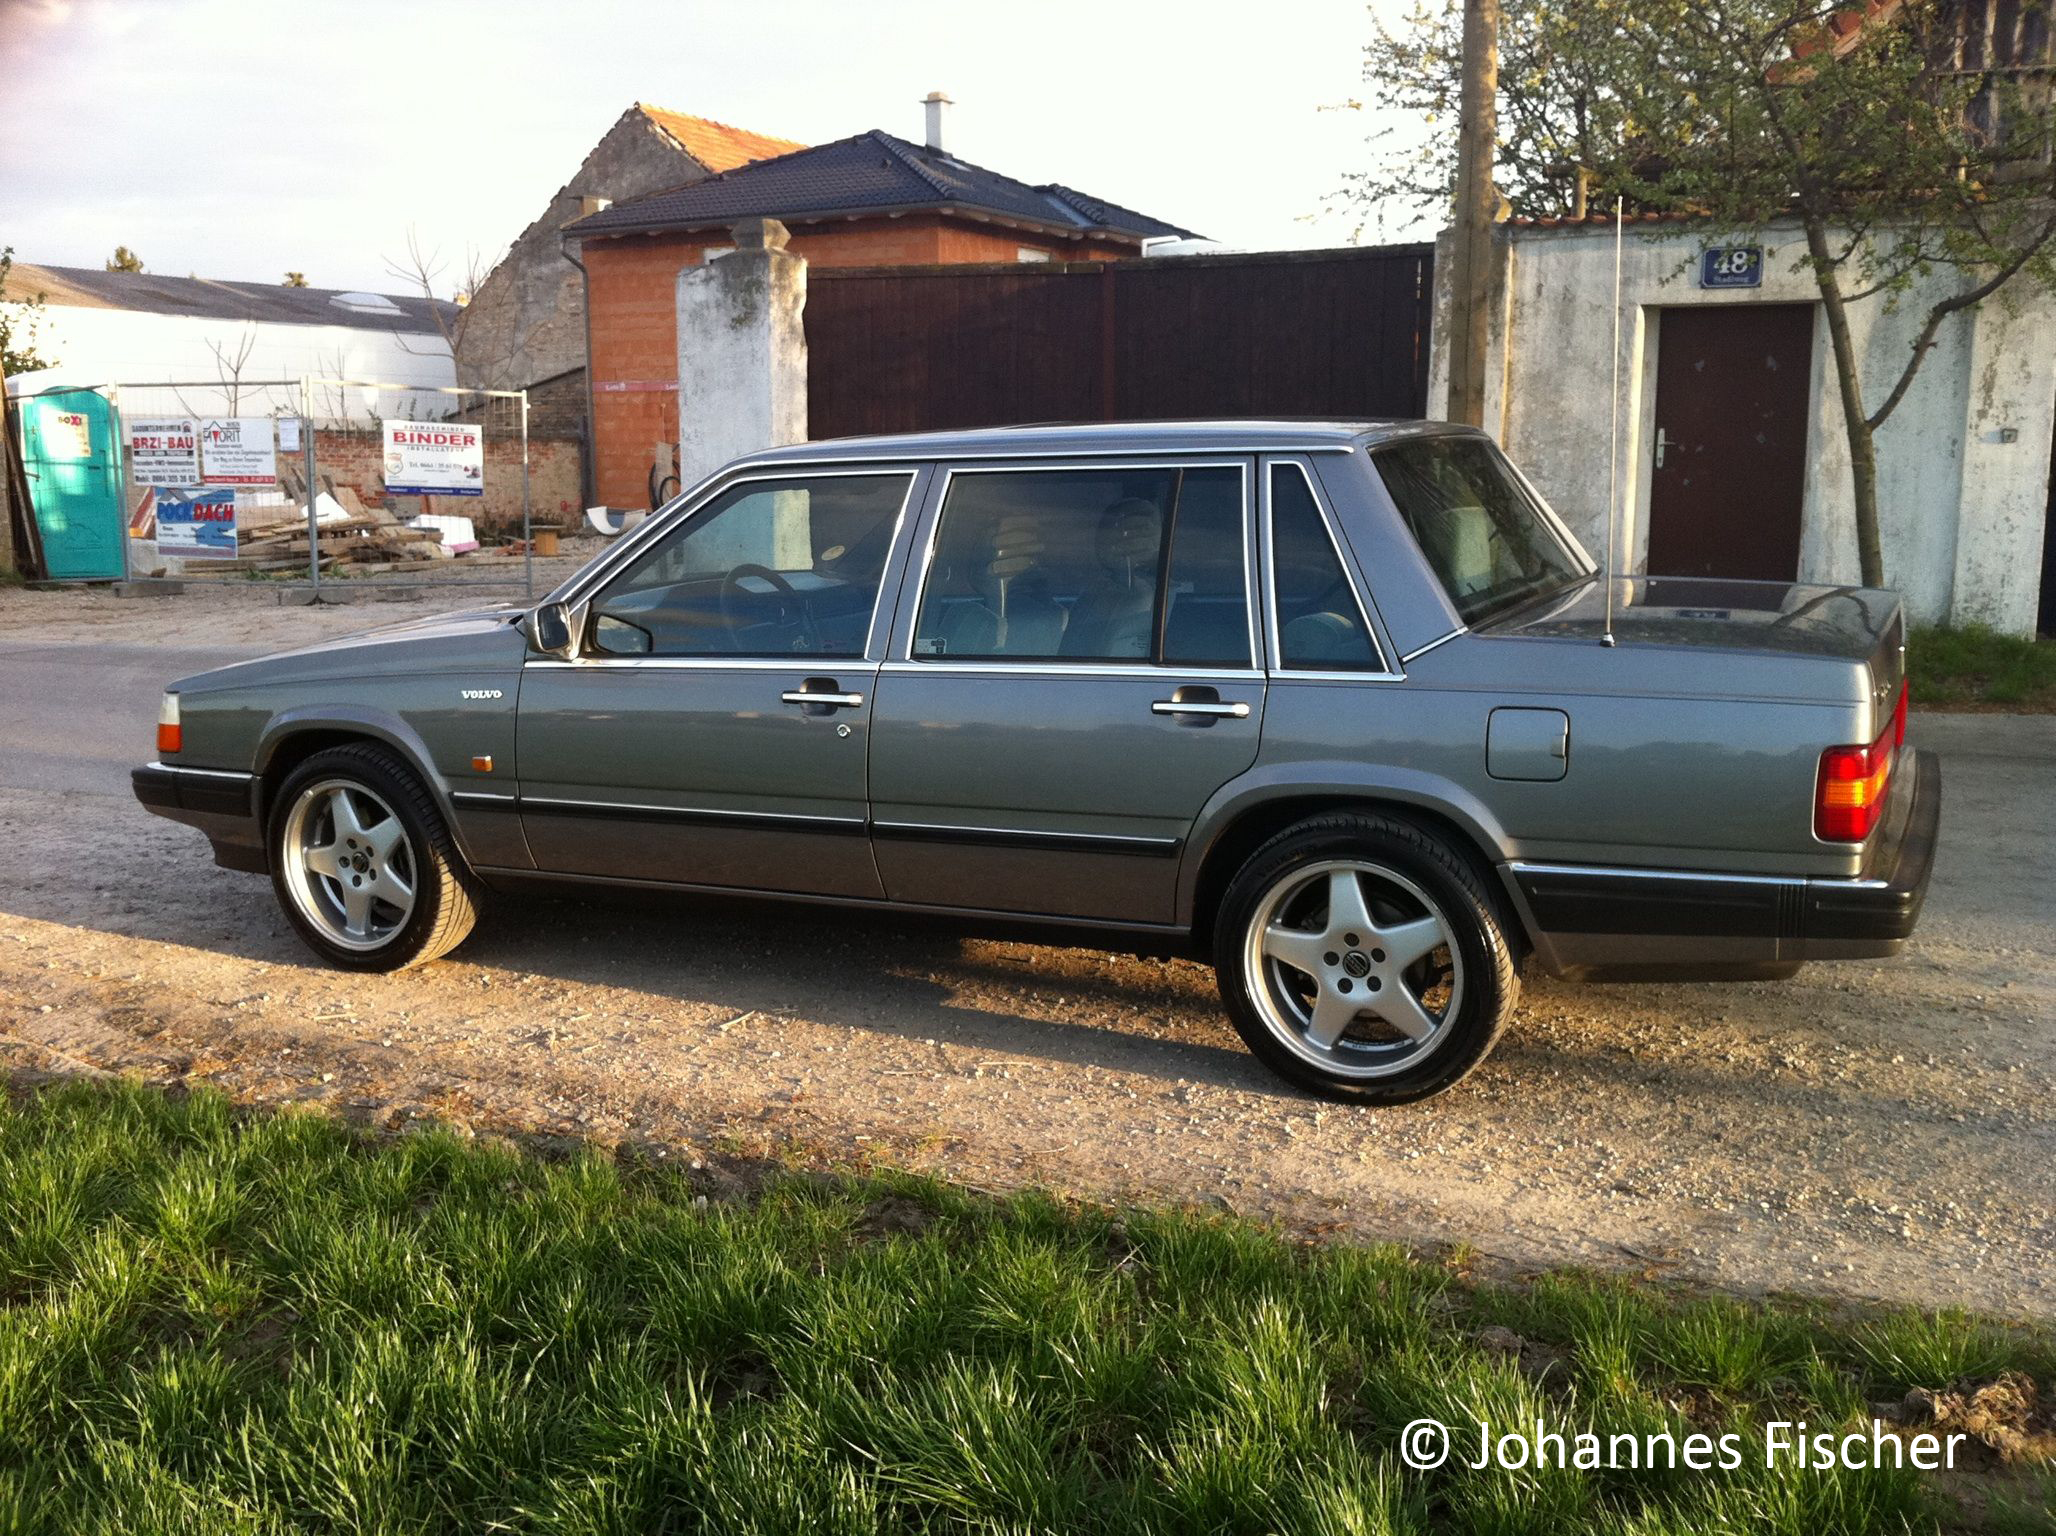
point(716, 145)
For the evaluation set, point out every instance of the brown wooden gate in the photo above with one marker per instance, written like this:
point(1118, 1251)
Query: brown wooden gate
point(1728, 488)
point(1302, 333)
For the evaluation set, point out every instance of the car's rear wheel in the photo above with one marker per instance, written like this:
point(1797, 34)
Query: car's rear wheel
point(363, 862)
point(1361, 957)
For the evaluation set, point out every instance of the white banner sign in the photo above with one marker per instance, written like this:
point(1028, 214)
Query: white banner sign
point(198, 527)
point(236, 450)
point(164, 450)
point(434, 458)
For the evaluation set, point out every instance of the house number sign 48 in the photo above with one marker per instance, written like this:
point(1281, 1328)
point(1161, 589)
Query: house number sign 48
point(1731, 266)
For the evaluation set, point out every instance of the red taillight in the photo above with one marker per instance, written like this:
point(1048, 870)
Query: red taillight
point(1850, 795)
point(169, 733)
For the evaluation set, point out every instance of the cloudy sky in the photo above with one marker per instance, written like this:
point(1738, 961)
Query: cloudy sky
point(240, 138)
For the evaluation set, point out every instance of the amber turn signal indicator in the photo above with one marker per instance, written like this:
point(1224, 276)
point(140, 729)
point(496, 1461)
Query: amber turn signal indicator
point(481, 765)
point(1850, 793)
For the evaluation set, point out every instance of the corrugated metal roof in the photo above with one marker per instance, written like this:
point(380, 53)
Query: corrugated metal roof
point(149, 293)
point(871, 172)
point(717, 146)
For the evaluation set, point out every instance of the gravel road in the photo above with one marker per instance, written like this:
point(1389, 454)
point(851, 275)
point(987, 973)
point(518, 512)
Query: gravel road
point(1875, 1130)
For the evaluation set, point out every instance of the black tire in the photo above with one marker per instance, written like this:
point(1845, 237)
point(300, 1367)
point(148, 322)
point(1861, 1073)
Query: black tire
point(1478, 944)
point(446, 895)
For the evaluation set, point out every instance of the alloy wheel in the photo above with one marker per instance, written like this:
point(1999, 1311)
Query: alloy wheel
point(1354, 968)
point(348, 864)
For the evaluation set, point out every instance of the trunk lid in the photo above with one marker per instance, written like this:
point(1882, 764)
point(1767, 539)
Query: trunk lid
point(1787, 618)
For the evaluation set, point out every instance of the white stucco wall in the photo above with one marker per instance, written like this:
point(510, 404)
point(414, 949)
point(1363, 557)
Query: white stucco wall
point(1960, 512)
point(95, 346)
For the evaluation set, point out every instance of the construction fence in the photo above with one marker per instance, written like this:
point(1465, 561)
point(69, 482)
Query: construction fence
point(411, 485)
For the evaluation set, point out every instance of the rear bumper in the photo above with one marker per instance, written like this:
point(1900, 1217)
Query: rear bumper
point(1590, 919)
point(221, 803)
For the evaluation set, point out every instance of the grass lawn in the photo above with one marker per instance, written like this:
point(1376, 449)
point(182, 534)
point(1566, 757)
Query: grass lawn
point(212, 1321)
point(1974, 666)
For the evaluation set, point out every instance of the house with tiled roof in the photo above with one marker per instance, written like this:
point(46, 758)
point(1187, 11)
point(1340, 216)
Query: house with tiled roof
point(524, 327)
point(870, 200)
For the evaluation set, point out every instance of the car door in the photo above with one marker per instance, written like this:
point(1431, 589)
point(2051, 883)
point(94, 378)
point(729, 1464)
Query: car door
point(1074, 672)
point(712, 728)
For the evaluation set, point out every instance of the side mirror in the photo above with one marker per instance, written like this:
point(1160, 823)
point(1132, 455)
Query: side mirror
point(553, 630)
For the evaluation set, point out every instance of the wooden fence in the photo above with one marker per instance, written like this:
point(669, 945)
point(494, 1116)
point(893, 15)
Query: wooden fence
point(1340, 334)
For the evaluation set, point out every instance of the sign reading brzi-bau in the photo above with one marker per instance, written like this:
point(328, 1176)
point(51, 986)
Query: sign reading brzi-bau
point(164, 450)
point(201, 526)
point(237, 450)
point(1731, 266)
point(434, 458)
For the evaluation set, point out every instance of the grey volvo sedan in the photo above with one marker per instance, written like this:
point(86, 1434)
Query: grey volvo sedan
point(1335, 704)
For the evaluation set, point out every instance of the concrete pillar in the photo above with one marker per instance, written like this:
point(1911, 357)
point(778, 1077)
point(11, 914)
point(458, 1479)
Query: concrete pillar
point(742, 351)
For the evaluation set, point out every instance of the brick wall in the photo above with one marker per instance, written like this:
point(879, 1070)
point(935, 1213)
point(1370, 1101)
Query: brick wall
point(633, 286)
point(356, 459)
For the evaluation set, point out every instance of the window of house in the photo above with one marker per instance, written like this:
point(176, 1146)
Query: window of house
point(768, 568)
point(1029, 253)
point(1321, 625)
point(1108, 564)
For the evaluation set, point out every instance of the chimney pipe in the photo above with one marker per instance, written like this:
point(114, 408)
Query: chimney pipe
point(935, 101)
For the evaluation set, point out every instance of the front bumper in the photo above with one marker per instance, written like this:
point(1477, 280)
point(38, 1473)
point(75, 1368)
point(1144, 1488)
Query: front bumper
point(220, 803)
point(1589, 920)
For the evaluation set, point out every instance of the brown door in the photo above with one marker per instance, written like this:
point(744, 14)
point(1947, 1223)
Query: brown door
point(1730, 450)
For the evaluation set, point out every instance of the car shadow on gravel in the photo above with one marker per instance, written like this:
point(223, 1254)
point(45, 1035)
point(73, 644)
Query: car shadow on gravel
point(837, 967)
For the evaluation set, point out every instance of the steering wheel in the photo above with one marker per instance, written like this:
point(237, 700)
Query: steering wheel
point(732, 591)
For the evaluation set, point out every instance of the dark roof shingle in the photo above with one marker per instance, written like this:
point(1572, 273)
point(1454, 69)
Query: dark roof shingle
point(151, 293)
point(870, 173)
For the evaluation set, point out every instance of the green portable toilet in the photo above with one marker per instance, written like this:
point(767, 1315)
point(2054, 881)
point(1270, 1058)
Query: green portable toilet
point(72, 451)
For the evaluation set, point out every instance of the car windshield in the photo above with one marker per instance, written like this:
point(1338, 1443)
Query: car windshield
point(1489, 543)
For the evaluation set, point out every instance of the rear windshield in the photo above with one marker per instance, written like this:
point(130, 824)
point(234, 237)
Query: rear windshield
point(1488, 542)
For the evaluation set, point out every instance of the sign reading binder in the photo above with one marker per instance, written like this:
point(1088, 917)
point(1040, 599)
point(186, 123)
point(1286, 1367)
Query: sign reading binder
point(434, 458)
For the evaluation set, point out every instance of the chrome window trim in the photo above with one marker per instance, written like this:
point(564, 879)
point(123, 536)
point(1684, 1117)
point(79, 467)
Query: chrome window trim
point(1384, 672)
point(1204, 459)
point(938, 454)
point(234, 774)
point(800, 662)
point(1422, 650)
point(1149, 673)
point(677, 513)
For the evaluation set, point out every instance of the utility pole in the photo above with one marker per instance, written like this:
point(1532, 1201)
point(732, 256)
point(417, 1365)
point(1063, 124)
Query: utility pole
point(1477, 208)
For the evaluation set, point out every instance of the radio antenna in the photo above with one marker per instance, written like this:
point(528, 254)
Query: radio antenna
point(1613, 443)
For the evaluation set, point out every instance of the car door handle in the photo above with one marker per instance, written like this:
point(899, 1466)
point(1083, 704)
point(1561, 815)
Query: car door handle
point(826, 700)
point(1196, 707)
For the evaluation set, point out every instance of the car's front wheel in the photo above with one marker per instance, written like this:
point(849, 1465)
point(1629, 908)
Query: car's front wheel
point(363, 862)
point(1361, 957)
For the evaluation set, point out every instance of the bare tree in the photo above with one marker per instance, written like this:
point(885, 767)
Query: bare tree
point(422, 270)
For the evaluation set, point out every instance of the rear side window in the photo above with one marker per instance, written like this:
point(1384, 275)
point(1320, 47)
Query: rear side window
point(1488, 542)
point(1107, 564)
point(1321, 626)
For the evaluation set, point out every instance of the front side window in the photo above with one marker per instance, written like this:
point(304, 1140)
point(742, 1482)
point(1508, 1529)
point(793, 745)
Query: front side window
point(768, 568)
point(1109, 564)
point(1321, 626)
point(1489, 544)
